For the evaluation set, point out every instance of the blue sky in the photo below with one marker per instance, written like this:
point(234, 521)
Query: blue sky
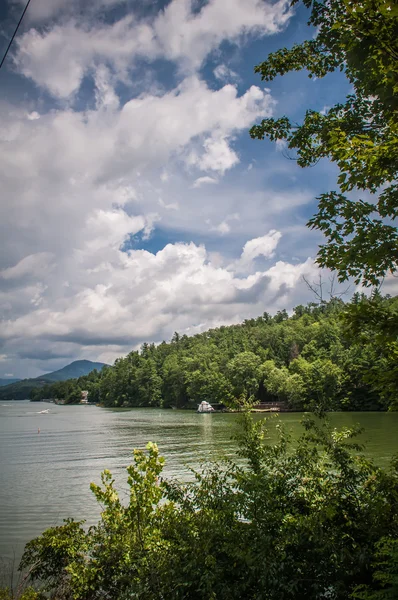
point(134, 203)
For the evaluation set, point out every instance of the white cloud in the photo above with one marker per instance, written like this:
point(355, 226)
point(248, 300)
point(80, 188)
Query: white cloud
point(262, 246)
point(190, 37)
point(92, 160)
point(59, 57)
point(204, 180)
point(286, 275)
point(108, 229)
point(60, 171)
point(224, 227)
point(140, 293)
point(224, 73)
point(390, 285)
point(217, 155)
point(33, 116)
point(151, 219)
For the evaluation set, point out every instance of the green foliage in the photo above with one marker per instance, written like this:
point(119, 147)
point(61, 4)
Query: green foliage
point(21, 389)
point(69, 391)
point(359, 135)
point(322, 380)
point(327, 356)
point(285, 386)
point(244, 374)
point(385, 576)
point(28, 593)
point(374, 321)
point(308, 520)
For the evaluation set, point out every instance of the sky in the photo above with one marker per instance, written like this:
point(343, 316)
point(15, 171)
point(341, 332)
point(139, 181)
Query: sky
point(133, 201)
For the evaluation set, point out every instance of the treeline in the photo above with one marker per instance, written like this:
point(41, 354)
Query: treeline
point(70, 390)
point(321, 356)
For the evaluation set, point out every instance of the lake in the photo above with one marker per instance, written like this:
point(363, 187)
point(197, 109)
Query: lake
point(45, 476)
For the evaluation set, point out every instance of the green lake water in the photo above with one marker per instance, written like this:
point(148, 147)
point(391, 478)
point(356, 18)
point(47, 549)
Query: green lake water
point(45, 477)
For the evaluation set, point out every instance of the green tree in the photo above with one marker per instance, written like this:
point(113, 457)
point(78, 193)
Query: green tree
point(174, 384)
point(360, 135)
point(385, 577)
point(323, 381)
point(373, 322)
point(209, 385)
point(149, 384)
point(283, 385)
point(244, 373)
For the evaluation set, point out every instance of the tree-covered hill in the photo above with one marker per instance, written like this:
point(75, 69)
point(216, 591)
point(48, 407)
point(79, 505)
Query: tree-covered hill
point(21, 389)
point(320, 356)
point(8, 381)
point(75, 369)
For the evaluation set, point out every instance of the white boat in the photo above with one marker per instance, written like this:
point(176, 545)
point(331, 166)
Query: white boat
point(205, 407)
point(44, 412)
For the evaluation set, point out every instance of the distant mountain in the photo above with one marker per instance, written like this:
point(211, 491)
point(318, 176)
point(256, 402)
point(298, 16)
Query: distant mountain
point(21, 389)
point(76, 369)
point(8, 381)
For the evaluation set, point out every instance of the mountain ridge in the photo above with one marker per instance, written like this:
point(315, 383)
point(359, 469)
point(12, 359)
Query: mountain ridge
point(21, 389)
point(75, 369)
point(8, 381)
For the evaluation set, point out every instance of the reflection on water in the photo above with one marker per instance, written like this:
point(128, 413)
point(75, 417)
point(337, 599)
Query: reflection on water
point(45, 476)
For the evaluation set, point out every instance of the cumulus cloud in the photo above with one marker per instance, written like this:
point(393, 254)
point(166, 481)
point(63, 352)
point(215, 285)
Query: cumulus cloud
point(59, 57)
point(217, 156)
point(261, 246)
point(141, 294)
point(108, 229)
point(70, 163)
point(115, 300)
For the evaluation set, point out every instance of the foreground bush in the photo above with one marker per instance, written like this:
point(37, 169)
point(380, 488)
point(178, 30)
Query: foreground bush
point(310, 521)
point(26, 594)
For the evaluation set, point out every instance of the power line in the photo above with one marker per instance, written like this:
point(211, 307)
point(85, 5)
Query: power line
point(14, 34)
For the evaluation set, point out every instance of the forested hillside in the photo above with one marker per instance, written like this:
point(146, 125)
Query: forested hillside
point(325, 355)
point(22, 389)
point(78, 368)
point(8, 381)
